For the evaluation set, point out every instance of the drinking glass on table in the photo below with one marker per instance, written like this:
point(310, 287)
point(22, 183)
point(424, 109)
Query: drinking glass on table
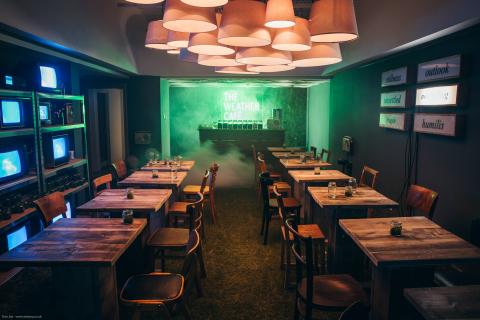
point(332, 190)
point(352, 182)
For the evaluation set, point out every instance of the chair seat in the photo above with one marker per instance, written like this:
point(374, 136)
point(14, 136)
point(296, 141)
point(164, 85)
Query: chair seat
point(153, 288)
point(306, 230)
point(169, 237)
point(194, 189)
point(289, 203)
point(282, 187)
point(333, 291)
point(275, 175)
point(178, 207)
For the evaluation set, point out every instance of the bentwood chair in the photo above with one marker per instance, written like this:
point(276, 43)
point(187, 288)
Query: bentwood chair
point(325, 155)
point(284, 187)
point(170, 243)
point(51, 206)
point(101, 182)
point(119, 170)
point(165, 293)
point(312, 230)
point(315, 293)
point(356, 311)
point(270, 205)
point(422, 200)
point(314, 151)
point(208, 191)
point(368, 178)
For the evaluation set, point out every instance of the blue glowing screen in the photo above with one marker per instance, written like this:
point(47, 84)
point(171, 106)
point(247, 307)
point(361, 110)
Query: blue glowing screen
point(48, 77)
point(11, 113)
point(10, 163)
point(44, 112)
point(9, 80)
point(16, 238)
point(59, 147)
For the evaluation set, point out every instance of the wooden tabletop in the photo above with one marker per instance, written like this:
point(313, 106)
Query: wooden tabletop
point(365, 197)
point(145, 200)
point(187, 165)
point(422, 242)
point(285, 149)
point(76, 242)
point(325, 175)
point(288, 155)
point(297, 164)
point(144, 178)
point(443, 303)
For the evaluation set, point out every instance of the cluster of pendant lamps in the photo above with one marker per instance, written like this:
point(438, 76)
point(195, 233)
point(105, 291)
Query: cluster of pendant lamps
point(251, 37)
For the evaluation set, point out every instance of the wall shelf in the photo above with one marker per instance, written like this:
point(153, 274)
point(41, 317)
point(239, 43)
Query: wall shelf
point(17, 132)
point(23, 181)
point(75, 190)
point(41, 95)
point(72, 164)
point(62, 127)
point(16, 219)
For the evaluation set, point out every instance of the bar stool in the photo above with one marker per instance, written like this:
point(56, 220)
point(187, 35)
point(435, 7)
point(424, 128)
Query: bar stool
point(306, 230)
point(164, 292)
point(334, 292)
point(270, 206)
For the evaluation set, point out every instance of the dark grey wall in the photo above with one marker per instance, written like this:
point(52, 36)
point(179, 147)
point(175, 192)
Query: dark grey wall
point(447, 165)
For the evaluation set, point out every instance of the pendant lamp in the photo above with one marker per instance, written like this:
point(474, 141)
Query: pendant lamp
point(188, 56)
point(234, 70)
point(333, 21)
point(321, 54)
point(218, 61)
point(145, 1)
point(177, 39)
point(157, 36)
point(205, 3)
point(243, 24)
point(296, 38)
point(279, 14)
point(276, 68)
point(182, 17)
point(206, 42)
point(264, 56)
point(173, 51)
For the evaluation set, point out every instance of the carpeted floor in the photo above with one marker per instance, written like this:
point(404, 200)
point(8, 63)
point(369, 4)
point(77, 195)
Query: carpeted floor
point(244, 278)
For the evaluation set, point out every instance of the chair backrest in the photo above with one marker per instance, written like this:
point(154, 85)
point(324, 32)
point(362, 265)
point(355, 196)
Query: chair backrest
point(368, 177)
point(302, 250)
point(51, 206)
point(265, 181)
point(323, 153)
point(120, 169)
point(421, 199)
point(262, 166)
point(189, 268)
point(356, 311)
point(281, 206)
point(314, 150)
point(213, 175)
point(204, 181)
point(194, 211)
point(102, 181)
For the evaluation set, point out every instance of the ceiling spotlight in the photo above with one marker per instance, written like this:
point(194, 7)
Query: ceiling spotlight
point(182, 17)
point(333, 21)
point(279, 14)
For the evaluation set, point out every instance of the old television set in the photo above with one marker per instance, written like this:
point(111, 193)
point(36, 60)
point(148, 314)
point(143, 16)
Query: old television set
point(16, 238)
point(48, 78)
point(11, 114)
point(13, 163)
point(56, 150)
point(45, 113)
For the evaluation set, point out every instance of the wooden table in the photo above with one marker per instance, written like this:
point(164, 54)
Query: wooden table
point(90, 261)
point(293, 164)
point(342, 253)
point(302, 179)
point(285, 149)
point(406, 261)
point(144, 179)
point(288, 155)
point(187, 165)
point(147, 203)
point(462, 302)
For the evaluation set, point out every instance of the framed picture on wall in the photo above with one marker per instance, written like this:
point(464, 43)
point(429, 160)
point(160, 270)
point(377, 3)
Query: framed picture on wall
point(143, 137)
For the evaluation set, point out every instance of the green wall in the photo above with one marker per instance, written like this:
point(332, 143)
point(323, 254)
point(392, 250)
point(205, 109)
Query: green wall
point(205, 104)
point(318, 115)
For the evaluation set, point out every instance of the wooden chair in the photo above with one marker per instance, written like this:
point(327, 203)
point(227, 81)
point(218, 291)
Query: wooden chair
point(170, 243)
point(270, 206)
point(422, 200)
point(51, 206)
point(305, 230)
point(356, 311)
point(208, 191)
point(102, 181)
point(314, 150)
point(284, 187)
point(318, 292)
point(164, 292)
point(120, 170)
point(368, 177)
point(323, 153)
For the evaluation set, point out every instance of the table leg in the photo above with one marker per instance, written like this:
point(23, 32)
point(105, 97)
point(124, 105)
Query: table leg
point(388, 302)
